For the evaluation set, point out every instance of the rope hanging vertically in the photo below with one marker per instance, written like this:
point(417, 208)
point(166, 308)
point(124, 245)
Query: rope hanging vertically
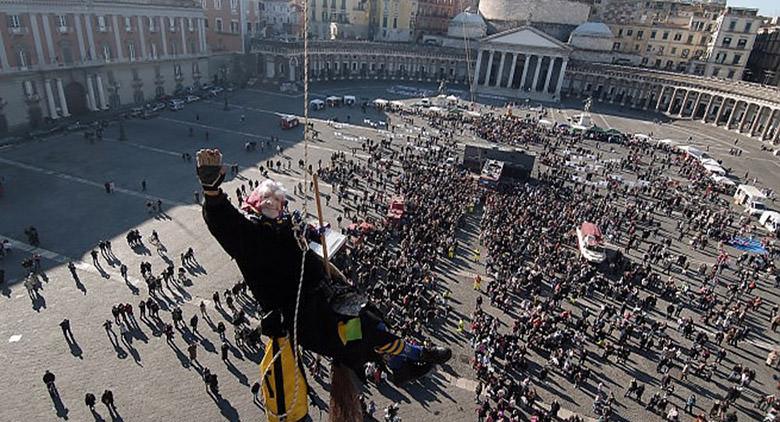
point(304, 213)
point(468, 54)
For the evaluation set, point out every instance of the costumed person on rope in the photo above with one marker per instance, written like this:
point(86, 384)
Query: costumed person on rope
point(334, 319)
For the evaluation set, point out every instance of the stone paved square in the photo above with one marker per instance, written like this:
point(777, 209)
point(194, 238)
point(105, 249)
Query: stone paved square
point(57, 186)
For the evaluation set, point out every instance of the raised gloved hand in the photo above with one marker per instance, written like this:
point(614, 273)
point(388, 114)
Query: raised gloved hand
point(210, 170)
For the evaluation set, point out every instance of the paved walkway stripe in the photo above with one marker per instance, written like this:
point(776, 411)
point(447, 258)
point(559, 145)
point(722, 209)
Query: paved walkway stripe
point(88, 182)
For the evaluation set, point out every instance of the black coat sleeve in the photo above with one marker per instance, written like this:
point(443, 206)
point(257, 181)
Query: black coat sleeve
point(234, 232)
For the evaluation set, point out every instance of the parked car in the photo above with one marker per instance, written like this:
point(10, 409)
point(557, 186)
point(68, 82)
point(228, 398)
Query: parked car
point(136, 111)
point(158, 107)
point(75, 126)
point(176, 105)
point(191, 98)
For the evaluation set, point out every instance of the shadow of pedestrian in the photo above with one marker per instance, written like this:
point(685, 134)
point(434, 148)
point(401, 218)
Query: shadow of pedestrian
point(59, 406)
point(120, 352)
point(75, 349)
point(97, 416)
point(80, 285)
point(225, 407)
point(237, 373)
point(38, 302)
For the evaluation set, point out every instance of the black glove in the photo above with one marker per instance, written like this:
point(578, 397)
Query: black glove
point(211, 177)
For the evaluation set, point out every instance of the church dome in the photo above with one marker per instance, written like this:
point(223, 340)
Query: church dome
point(593, 29)
point(468, 24)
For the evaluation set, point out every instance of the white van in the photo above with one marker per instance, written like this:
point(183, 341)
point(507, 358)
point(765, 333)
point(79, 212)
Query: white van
point(751, 198)
point(317, 104)
point(770, 220)
point(350, 100)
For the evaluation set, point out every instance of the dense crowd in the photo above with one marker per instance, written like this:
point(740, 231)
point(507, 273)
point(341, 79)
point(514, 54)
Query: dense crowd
point(657, 304)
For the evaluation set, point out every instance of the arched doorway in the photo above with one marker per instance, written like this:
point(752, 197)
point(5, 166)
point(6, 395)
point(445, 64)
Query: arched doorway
point(76, 97)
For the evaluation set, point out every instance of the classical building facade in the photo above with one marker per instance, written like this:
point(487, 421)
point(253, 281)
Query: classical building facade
point(522, 62)
point(512, 72)
point(764, 61)
point(63, 58)
point(742, 107)
point(699, 37)
point(230, 24)
point(280, 18)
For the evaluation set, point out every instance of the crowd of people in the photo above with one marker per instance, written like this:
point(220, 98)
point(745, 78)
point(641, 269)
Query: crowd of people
point(647, 300)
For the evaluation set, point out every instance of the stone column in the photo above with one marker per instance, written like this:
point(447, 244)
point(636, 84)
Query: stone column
point(696, 105)
point(685, 103)
point(733, 116)
point(270, 69)
point(101, 92)
point(489, 68)
point(500, 69)
point(756, 121)
point(671, 100)
point(50, 99)
point(475, 79)
point(745, 116)
point(708, 110)
point(549, 75)
point(292, 71)
point(660, 99)
point(142, 36)
point(512, 70)
point(63, 100)
point(768, 124)
point(559, 84)
point(91, 102)
point(525, 71)
point(720, 111)
point(536, 72)
point(163, 30)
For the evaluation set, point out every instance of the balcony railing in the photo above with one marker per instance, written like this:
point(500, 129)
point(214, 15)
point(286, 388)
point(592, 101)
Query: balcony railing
point(18, 30)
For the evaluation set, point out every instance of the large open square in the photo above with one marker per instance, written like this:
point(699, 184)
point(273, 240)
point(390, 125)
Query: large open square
point(59, 184)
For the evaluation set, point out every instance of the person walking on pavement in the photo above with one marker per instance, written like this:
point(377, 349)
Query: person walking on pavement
point(48, 379)
point(224, 349)
point(108, 399)
point(90, 400)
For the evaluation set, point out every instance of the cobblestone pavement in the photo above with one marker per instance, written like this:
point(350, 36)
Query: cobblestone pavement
point(56, 185)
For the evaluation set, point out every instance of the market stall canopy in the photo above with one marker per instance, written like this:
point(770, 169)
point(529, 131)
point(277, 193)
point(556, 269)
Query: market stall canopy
point(545, 122)
point(333, 239)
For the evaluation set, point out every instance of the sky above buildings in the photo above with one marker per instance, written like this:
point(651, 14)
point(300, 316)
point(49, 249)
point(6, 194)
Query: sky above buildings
point(765, 7)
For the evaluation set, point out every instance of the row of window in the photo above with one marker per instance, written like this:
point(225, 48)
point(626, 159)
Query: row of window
point(101, 21)
point(219, 26)
point(678, 37)
point(105, 52)
point(218, 5)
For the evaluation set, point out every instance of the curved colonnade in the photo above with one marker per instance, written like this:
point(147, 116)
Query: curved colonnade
point(745, 108)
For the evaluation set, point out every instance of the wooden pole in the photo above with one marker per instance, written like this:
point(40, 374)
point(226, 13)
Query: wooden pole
point(321, 223)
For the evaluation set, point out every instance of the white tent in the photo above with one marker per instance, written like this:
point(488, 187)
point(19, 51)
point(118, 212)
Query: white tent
point(717, 178)
point(380, 102)
point(452, 98)
point(715, 169)
point(545, 122)
point(642, 137)
point(333, 239)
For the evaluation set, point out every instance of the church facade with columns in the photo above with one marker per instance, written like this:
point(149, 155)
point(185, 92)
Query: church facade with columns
point(544, 73)
point(522, 63)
